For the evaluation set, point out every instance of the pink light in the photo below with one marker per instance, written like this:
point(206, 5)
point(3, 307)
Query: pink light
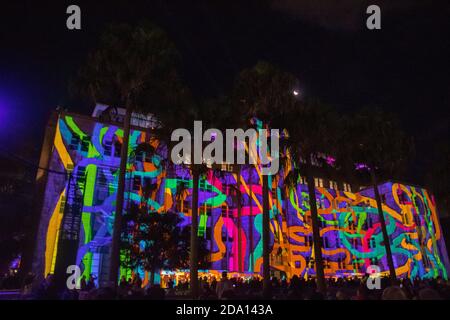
point(330, 160)
point(360, 166)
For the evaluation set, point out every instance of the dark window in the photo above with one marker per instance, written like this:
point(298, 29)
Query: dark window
point(136, 183)
point(74, 143)
point(107, 150)
point(147, 182)
point(208, 233)
point(117, 148)
point(325, 242)
point(85, 144)
point(224, 211)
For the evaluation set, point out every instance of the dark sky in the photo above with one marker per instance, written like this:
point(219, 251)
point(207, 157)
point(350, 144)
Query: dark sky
point(404, 67)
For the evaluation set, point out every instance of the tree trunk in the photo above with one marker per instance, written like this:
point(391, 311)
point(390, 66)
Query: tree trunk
point(250, 218)
point(239, 222)
point(387, 243)
point(152, 277)
point(115, 246)
point(266, 238)
point(194, 237)
point(320, 275)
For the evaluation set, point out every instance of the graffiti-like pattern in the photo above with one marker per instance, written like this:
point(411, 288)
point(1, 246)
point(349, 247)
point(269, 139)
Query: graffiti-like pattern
point(349, 222)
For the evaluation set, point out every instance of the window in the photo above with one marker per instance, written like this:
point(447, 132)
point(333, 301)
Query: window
point(208, 233)
point(147, 182)
point(136, 183)
point(224, 210)
point(227, 167)
point(62, 205)
point(224, 188)
point(107, 148)
point(405, 218)
point(325, 242)
point(307, 219)
point(224, 235)
point(417, 220)
point(347, 187)
point(274, 194)
point(319, 203)
point(147, 157)
point(318, 182)
point(85, 144)
point(350, 225)
point(408, 239)
point(178, 206)
point(309, 240)
point(74, 142)
point(182, 184)
point(341, 263)
point(186, 206)
point(369, 222)
point(426, 261)
point(333, 185)
point(117, 149)
point(81, 172)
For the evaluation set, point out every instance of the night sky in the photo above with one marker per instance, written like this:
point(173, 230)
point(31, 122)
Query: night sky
point(403, 68)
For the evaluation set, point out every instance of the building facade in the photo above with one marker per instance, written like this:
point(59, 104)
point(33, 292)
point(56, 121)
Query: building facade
point(79, 192)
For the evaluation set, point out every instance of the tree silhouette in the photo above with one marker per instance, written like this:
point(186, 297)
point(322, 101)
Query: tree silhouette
point(155, 241)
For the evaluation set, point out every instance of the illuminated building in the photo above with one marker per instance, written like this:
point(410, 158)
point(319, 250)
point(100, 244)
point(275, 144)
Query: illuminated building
point(77, 208)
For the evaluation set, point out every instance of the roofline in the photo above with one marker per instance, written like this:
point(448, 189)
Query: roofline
point(120, 125)
point(395, 181)
point(88, 117)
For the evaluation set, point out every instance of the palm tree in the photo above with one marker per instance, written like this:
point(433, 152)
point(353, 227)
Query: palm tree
point(127, 64)
point(380, 144)
point(310, 135)
point(189, 111)
point(437, 176)
point(262, 92)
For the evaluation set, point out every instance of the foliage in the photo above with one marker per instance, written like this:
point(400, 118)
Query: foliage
point(263, 91)
point(128, 62)
point(156, 241)
point(377, 140)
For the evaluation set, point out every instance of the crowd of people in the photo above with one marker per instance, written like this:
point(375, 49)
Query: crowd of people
point(237, 288)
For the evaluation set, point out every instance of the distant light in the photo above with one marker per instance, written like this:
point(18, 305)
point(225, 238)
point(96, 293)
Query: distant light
point(295, 92)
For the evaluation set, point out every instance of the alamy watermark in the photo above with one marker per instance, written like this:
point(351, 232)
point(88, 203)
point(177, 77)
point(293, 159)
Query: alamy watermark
point(73, 280)
point(374, 279)
point(73, 21)
point(235, 140)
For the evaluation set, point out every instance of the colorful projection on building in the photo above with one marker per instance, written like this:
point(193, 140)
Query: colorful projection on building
point(350, 229)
